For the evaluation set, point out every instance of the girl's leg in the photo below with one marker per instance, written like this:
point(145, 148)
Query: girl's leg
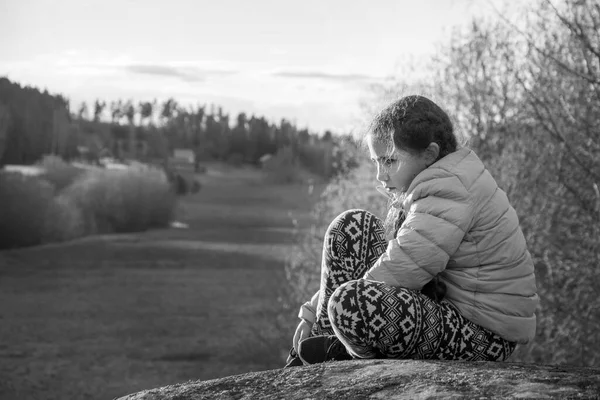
point(464, 340)
point(353, 242)
point(375, 320)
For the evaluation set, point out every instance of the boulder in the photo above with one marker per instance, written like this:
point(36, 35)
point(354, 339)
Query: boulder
point(393, 379)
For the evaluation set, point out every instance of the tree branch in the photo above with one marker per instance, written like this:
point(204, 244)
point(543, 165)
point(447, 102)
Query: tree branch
point(554, 131)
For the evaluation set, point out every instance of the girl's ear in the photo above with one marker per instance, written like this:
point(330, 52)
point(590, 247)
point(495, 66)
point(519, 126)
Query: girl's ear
point(431, 153)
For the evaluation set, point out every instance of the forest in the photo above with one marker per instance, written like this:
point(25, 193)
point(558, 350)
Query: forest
point(35, 123)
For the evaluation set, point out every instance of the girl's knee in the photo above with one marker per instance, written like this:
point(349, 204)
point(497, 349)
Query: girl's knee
point(349, 297)
point(342, 300)
point(347, 217)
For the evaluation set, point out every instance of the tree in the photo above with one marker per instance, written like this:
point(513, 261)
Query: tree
point(99, 107)
point(116, 112)
point(83, 112)
point(4, 126)
point(562, 85)
point(199, 137)
point(239, 136)
point(128, 111)
point(146, 110)
point(530, 102)
point(168, 110)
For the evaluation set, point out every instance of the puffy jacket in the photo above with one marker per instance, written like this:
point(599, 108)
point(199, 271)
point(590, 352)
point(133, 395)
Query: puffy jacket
point(460, 225)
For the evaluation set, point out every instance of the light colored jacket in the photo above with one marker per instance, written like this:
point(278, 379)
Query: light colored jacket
point(460, 225)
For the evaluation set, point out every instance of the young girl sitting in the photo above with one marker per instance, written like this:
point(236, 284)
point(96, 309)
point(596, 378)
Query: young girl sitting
point(452, 228)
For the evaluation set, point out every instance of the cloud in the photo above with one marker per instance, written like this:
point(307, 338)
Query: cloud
point(184, 73)
point(347, 78)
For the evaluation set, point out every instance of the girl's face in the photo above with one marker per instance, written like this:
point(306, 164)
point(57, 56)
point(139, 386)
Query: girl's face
point(396, 169)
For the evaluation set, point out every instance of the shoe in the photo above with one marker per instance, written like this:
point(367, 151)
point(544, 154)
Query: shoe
point(293, 360)
point(318, 349)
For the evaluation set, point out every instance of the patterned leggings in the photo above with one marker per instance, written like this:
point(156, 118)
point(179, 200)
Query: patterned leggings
point(375, 320)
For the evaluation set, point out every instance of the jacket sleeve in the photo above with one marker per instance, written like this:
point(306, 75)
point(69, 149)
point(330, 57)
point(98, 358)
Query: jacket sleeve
point(308, 310)
point(439, 216)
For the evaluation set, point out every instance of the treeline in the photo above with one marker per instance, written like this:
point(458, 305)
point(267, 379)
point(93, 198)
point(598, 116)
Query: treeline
point(34, 123)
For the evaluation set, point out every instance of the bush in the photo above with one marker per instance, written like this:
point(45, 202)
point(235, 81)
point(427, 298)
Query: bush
point(58, 172)
point(123, 201)
point(196, 186)
point(32, 213)
point(314, 158)
point(180, 185)
point(64, 221)
point(24, 203)
point(236, 159)
point(282, 167)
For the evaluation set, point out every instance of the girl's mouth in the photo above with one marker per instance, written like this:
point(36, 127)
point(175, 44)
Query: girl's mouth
point(392, 194)
point(386, 191)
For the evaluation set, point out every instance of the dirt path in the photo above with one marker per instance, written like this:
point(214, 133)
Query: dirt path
point(105, 316)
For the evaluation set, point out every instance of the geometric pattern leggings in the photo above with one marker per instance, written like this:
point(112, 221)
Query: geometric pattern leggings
point(375, 320)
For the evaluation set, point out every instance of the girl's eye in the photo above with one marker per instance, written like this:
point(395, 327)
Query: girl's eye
point(389, 162)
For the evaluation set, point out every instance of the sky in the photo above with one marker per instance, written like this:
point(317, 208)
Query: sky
point(312, 62)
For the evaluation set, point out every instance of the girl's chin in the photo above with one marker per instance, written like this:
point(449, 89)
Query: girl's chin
point(394, 195)
point(398, 197)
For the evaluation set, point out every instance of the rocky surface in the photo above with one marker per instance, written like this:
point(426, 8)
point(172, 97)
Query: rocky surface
point(393, 379)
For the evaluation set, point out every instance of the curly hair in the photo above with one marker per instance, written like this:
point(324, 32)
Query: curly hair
point(412, 123)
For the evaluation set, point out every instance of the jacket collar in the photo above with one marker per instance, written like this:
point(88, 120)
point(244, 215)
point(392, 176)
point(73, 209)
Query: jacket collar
point(446, 163)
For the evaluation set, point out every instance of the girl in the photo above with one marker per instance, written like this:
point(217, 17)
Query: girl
point(455, 229)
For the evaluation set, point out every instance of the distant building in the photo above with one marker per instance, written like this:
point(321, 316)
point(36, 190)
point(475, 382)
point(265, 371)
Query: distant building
point(184, 155)
point(30, 170)
point(264, 160)
point(182, 159)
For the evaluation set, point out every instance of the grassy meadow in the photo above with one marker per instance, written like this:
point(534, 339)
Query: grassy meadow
point(104, 316)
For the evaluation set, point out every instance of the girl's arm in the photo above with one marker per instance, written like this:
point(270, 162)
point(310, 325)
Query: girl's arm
point(439, 215)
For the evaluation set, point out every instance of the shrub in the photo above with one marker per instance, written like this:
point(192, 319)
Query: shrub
point(196, 186)
point(64, 220)
point(24, 203)
point(236, 159)
point(282, 168)
point(58, 172)
point(123, 201)
point(180, 185)
point(314, 158)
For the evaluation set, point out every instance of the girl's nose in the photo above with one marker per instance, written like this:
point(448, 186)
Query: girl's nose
point(382, 174)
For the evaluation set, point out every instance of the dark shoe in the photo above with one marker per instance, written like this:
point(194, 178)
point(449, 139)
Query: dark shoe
point(318, 349)
point(293, 360)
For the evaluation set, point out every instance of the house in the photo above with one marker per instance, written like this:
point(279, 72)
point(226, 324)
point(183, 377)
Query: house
point(264, 160)
point(182, 159)
point(184, 155)
point(29, 170)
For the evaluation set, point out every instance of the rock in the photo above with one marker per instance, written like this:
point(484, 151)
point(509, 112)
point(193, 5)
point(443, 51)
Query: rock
point(393, 379)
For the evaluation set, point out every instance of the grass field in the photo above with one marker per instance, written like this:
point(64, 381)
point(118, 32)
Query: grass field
point(105, 316)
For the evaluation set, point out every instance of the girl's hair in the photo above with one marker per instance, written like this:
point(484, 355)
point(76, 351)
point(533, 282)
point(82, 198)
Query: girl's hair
point(394, 219)
point(412, 123)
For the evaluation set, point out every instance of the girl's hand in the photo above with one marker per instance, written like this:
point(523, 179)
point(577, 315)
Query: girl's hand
point(302, 332)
